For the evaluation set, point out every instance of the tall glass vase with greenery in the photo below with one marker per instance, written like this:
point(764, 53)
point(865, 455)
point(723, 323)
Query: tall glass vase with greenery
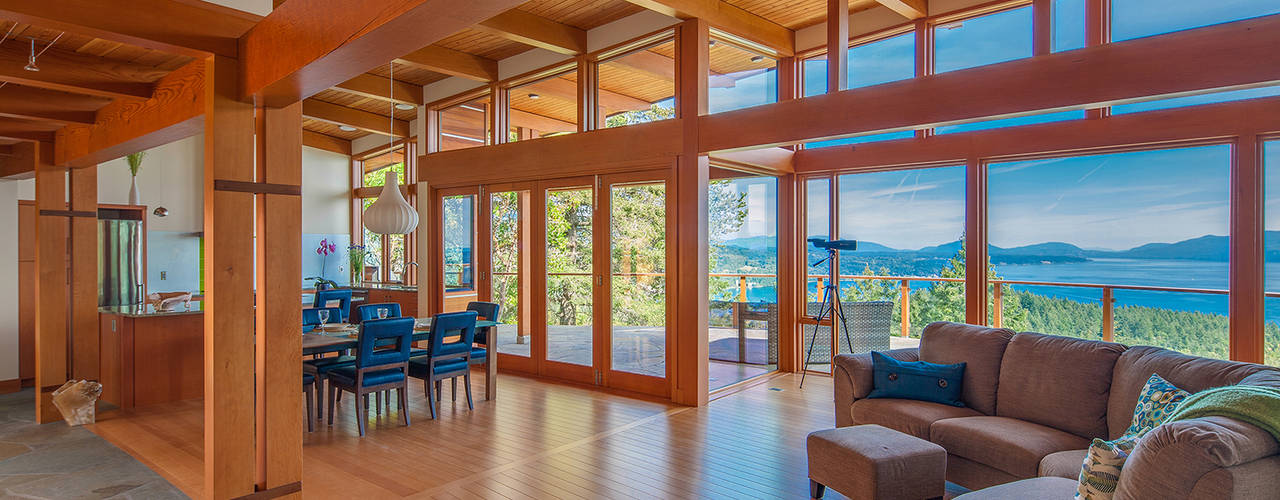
point(356, 255)
point(135, 164)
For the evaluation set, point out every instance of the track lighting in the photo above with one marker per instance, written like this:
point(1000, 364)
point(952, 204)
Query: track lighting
point(757, 58)
point(534, 96)
point(31, 63)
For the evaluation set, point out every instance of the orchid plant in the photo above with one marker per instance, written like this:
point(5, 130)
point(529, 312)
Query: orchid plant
point(325, 249)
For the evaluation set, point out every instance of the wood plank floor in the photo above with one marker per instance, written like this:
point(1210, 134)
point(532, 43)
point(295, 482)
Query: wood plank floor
point(537, 440)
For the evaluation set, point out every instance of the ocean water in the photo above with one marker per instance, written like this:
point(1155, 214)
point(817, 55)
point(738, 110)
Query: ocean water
point(1139, 272)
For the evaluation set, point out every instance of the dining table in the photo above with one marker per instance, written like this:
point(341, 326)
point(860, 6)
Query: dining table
point(338, 337)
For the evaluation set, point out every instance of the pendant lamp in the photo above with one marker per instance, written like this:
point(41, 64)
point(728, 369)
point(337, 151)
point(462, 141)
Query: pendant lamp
point(390, 213)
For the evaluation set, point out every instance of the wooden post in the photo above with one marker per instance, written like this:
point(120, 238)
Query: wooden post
point(589, 114)
point(997, 307)
point(1041, 27)
point(975, 276)
point(742, 288)
point(428, 268)
point(524, 277)
point(84, 273)
point(279, 347)
point(1097, 31)
point(689, 376)
point(1247, 299)
point(906, 307)
point(51, 283)
point(499, 115)
point(791, 274)
point(229, 456)
point(1108, 312)
point(924, 60)
point(837, 45)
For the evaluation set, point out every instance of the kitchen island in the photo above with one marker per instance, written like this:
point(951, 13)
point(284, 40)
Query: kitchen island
point(149, 356)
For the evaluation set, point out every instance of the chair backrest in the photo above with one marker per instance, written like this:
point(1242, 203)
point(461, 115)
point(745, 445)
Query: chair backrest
point(396, 332)
point(311, 315)
point(343, 296)
point(485, 310)
point(370, 311)
point(455, 324)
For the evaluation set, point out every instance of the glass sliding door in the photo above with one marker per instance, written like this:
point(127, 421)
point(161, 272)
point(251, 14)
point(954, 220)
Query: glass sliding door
point(507, 211)
point(570, 280)
point(637, 208)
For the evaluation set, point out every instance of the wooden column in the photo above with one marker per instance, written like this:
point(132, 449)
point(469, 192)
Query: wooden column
point(429, 290)
point(689, 376)
point(924, 60)
point(1097, 31)
point(790, 274)
point(499, 117)
point(280, 415)
point(975, 243)
point(1246, 302)
point(1041, 27)
point(589, 115)
point(229, 455)
point(84, 273)
point(837, 45)
point(51, 283)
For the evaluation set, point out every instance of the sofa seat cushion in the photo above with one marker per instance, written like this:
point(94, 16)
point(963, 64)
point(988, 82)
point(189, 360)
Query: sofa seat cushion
point(1063, 464)
point(1011, 445)
point(1060, 382)
point(1048, 488)
point(907, 416)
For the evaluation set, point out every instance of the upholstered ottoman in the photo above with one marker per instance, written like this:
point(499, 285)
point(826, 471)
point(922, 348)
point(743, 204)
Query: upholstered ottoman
point(875, 463)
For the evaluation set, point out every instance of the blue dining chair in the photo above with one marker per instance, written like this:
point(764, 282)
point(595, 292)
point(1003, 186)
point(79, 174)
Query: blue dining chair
point(375, 370)
point(311, 315)
point(309, 386)
point(486, 337)
point(446, 360)
point(324, 297)
point(370, 311)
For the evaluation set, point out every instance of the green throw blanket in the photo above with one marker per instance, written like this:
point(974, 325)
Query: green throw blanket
point(1256, 405)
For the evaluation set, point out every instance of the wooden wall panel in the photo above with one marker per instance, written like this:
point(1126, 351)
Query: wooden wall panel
point(50, 288)
point(164, 353)
point(26, 292)
point(84, 274)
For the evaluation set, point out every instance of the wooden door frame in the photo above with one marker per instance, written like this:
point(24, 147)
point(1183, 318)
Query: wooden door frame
point(546, 367)
point(484, 267)
point(628, 381)
point(440, 194)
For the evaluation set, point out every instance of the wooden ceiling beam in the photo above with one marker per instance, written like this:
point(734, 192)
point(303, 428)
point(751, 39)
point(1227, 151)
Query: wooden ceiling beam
point(377, 87)
point(17, 101)
point(326, 142)
point(174, 112)
point(734, 20)
point(78, 73)
point(453, 63)
point(306, 46)
point(1228, 56)
point(18, 161)
point(24, 130)
point(194, 29)
point(536, 31)
point(362, 120)
point(910, 9)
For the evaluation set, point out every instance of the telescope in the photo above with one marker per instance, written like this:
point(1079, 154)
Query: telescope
point(831, 245)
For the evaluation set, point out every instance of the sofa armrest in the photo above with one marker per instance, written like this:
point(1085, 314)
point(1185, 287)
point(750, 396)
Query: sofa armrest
point(1171, 459)
point(852, 374)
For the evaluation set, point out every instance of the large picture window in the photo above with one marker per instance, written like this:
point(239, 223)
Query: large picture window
point(740, 77)
point(544, 107)
point(465, 125)
point(986, 39)
point(388, 256)
point(638, 86)
point(1139, 18)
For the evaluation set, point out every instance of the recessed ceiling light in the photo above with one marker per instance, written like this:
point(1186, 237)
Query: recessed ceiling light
point(711, 43)
point(757, 58)
point(405, 107)
point(346, 128)
point(534, 96)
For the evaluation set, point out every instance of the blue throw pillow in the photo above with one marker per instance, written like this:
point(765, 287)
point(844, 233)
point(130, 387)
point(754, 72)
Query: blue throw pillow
point(920, 380)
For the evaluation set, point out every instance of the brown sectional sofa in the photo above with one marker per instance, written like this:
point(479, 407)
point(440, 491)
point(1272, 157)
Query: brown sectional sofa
point(1033, 402)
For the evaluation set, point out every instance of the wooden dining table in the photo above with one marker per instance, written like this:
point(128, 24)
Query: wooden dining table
point(344, 338)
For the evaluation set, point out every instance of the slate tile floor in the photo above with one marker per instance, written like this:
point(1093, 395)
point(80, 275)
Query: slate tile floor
point(54, 461)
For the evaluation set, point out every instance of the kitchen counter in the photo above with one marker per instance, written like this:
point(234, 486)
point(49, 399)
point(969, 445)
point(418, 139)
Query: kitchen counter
point(149, 310)
point(386, 287)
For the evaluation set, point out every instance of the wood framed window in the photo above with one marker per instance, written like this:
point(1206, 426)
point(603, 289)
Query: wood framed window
point(391, 257)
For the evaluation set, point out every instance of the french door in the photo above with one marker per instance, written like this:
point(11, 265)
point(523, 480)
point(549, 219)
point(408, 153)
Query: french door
point(580, 264)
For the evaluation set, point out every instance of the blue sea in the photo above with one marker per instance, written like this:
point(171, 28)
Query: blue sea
point(1141, 272)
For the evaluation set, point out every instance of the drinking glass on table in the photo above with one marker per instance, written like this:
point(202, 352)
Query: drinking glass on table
point(382, 313)
point(323, 314)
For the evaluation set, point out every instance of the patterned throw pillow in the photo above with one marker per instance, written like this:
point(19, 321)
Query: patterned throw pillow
point(1100, 473)
point(1157, 400)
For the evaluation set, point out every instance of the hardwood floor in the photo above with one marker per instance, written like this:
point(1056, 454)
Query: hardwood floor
point(537, 440)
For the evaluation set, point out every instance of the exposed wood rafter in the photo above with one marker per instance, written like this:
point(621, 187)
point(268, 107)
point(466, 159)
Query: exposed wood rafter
point(43, 105)
point(326, 142)
point(910, 9)
point(377, 87)
point(452, 62)
point(362, 120)
point(728, 18)
point(536, 31)
point(78, 73)
point(193, 29)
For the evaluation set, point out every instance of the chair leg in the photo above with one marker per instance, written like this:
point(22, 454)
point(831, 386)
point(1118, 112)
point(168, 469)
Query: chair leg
point(466, 379)
point(438, 391)
point(319, 397)
point(332, 399)
point(377, 406)
point(426, 384)
point(387, 405)
point(402, 399)
point(311, 419)
point(454, 392)
point(362, 413)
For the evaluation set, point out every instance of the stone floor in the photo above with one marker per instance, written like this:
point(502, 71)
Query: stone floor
point(54, 461)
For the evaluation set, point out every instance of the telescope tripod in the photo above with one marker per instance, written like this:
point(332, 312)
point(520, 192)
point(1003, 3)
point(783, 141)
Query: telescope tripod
point(830, 305)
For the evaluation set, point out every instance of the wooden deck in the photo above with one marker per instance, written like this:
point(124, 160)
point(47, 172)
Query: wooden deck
point(537, 440)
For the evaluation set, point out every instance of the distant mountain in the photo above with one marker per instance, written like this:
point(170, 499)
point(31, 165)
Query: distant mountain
point(1208, 247)
point(1051, 249)
point(753, 242)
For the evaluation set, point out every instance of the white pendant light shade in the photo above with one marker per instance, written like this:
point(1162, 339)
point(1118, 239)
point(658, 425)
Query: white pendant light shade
point(390, 213)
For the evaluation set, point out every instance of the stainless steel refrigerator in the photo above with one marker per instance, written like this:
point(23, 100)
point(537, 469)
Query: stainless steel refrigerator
point(120, 280)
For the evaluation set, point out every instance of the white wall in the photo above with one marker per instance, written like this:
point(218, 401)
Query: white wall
point(326, 181)
point(8, 280)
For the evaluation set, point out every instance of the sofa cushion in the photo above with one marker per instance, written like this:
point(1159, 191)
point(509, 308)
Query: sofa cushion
point(1190, 373)
point(1063, 464)
point(919, 380)
point(1060, 382)
point(1040, 487)
point(979, 347)
point(905, 415)
point(1011, 445)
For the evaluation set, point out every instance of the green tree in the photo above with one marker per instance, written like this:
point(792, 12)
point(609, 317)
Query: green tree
point(655, 112)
